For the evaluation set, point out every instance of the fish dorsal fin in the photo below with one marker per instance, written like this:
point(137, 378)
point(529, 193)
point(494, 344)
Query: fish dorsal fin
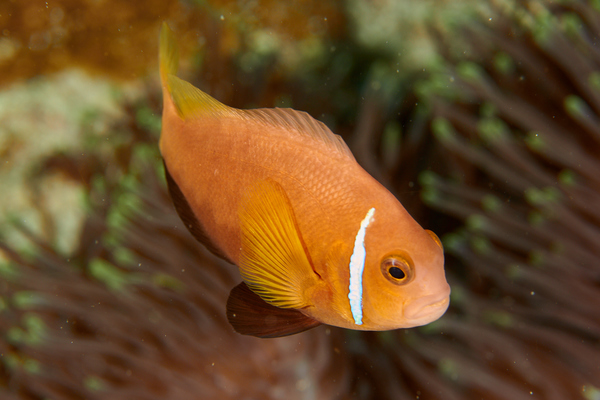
point(251, 315)
point(274, 261)
point(192, 102)
point(300, 123)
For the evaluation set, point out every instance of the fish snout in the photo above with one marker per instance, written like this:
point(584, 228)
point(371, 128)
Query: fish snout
point(429, 307)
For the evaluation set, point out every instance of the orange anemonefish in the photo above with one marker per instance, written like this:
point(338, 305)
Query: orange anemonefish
point(316, 238)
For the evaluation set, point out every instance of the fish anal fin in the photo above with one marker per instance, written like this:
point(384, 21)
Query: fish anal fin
point(274, 261)
point(188, 217)
point(248, 314)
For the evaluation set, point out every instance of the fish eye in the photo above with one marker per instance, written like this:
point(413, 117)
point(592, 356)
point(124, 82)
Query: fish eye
point(435, 238)
point(397, 269)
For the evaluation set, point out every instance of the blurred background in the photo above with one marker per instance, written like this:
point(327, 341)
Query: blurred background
point(481, 116)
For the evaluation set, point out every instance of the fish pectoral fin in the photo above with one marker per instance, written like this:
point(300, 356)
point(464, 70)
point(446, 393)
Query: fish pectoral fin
point(274, 262)
point(248, 314)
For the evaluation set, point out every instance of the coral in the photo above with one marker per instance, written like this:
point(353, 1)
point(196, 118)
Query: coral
point(39, 119)
point(119, 38)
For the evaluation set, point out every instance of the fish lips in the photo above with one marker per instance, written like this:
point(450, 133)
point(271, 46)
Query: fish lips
point(428, 308)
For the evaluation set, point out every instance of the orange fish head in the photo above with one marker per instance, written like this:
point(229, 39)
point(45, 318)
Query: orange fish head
point(404, 284)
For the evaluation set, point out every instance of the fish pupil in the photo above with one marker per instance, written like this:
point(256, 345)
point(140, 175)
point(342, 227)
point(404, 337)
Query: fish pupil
point(396, 273)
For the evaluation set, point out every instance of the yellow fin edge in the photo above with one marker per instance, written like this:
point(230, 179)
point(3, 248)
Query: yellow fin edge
point(193, 102)
point(168, 54)
point(189, 100)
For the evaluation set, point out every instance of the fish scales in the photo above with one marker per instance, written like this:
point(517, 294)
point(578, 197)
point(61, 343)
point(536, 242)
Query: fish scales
point(313, 179)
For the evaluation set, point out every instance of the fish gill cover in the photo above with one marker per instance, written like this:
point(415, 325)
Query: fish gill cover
point(506, 128)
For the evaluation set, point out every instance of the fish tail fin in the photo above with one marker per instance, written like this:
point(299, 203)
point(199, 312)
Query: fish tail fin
point(192, 102)
point(168, 55)
point(189, 100)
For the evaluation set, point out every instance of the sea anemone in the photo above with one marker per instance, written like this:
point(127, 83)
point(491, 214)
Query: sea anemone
point(135, 308)
point(138, 309)
point(518, 122)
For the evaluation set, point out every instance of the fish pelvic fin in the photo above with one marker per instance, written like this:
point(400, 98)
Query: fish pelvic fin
point(274, 261)
point(248, 314)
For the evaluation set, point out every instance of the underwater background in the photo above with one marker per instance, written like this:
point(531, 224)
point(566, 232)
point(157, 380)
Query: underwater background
point(482, 117)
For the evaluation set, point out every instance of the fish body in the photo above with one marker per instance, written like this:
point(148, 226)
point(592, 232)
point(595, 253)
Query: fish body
point(274, 192)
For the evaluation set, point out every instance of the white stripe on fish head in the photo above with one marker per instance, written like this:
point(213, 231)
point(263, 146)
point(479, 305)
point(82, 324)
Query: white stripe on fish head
point(357, 266)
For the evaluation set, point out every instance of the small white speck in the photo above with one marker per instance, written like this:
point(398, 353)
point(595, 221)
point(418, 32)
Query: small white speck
point(222, 18)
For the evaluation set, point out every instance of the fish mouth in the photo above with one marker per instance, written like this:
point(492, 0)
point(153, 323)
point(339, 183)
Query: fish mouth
point(428, 308)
